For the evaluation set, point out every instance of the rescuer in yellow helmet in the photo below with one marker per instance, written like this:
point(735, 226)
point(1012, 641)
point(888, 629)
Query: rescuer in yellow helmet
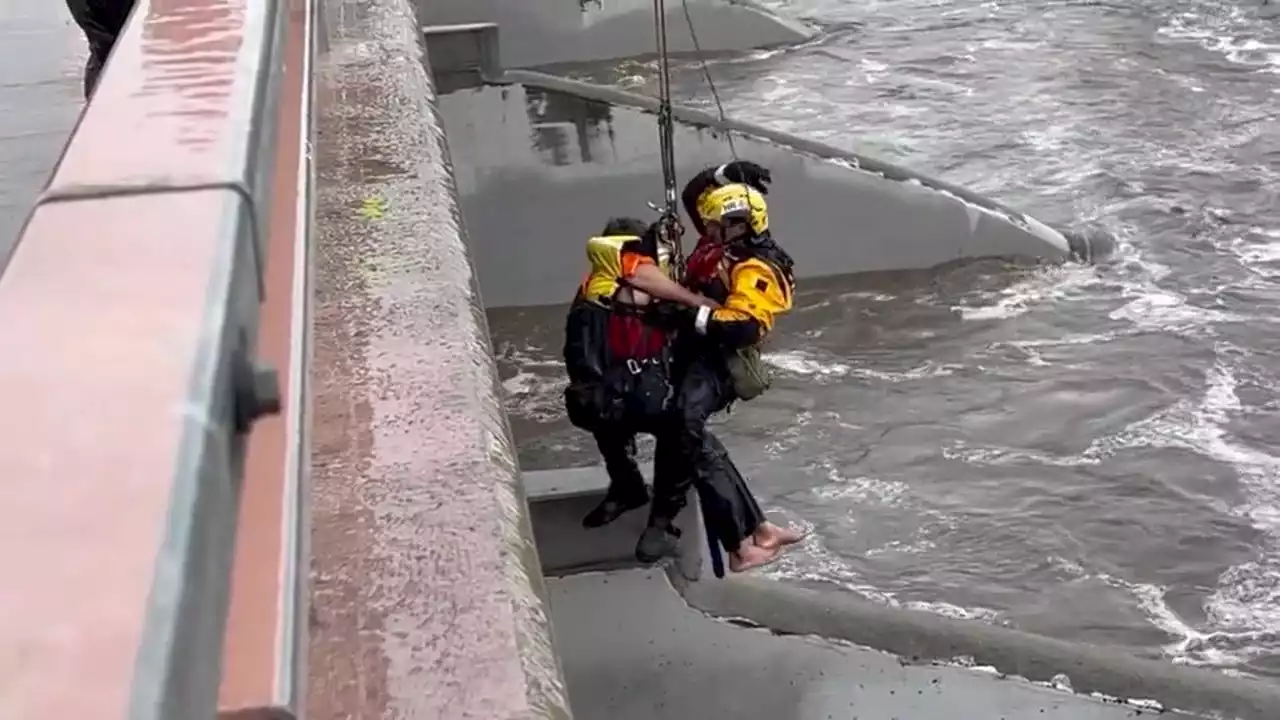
point(742, 172)
point(715, 361)
point(616, 356)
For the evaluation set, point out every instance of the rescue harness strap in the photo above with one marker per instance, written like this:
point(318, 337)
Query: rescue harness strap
point(670, 221)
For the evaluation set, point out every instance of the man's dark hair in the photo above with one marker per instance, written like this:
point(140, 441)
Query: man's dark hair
point(647, 232)
point(625, 226)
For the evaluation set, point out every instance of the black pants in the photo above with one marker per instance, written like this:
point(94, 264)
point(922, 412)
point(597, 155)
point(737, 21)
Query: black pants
point(102, 22)
point(617, 446)
point(688, 452)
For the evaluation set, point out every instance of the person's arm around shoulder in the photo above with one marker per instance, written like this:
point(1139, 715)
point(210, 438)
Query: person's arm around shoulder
point(643, 274)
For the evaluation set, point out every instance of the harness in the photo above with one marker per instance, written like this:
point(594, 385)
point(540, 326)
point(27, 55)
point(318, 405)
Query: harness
point(637, 343)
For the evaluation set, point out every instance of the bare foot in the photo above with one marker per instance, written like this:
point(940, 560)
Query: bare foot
point(750, 556)
point(769, 535)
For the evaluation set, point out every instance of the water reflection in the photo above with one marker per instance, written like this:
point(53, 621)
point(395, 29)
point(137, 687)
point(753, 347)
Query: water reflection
point(557, 31)
point(538, 171)
point(555, 117)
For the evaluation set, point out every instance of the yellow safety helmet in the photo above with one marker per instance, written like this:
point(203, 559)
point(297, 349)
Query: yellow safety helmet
point(736, 200)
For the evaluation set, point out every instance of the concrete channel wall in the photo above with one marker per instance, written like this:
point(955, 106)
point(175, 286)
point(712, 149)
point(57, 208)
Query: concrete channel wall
point(541, 146)
point(558, 31)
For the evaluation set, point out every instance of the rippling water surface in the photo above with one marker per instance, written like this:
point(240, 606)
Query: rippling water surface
point(1085, 452)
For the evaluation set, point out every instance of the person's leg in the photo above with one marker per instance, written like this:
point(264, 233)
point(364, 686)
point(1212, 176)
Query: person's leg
point(743, 530)
point(689, 453)
point(92, 68)
point(731, 510)
point(671, 481)
point(627, 490)
point(102, 22)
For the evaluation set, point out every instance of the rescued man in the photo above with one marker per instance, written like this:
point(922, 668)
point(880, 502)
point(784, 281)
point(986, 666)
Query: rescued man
point(617, 358)
point(715, 361)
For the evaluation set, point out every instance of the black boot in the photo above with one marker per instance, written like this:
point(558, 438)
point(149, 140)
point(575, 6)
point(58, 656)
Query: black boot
point(612, 508)
point(658, 540)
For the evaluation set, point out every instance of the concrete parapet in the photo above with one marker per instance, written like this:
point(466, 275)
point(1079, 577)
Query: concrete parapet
point(131, 306)
point(428, 597)
point(264, 669)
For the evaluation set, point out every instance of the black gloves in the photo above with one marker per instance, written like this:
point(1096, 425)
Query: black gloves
point(672, 316)
point(745, 171)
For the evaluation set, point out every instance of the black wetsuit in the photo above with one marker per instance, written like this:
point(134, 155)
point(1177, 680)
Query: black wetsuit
point(612, 403)
point(688, 452)
point(102, 22)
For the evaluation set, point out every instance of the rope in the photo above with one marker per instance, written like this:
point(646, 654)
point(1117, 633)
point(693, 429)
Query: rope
point(670, 222)
point(671, 218)
point(706, 72)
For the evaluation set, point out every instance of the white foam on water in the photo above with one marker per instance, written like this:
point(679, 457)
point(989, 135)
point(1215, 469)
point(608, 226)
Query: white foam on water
point(872, 71)
point(535, 396)
point(862, 490)
point(962, 451)
point(536, 390)
point(1161, 310)
point(812, 561)
point(1240, 36)
point(1258, 249)
point(1243, 613)
point(1152, 308)
point(812, 365)
point(1031, 349)
point(798, 362)
point(1049, 285)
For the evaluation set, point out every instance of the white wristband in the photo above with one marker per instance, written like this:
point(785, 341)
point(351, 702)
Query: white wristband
point(700, 322)
point(721, 178)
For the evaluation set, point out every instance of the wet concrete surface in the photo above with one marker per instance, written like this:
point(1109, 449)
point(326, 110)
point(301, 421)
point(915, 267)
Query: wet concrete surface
point(539, 171)
point(427, 597)
point(632, 648)
point(559, 499)
point(40, 100)
point(557, 31)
